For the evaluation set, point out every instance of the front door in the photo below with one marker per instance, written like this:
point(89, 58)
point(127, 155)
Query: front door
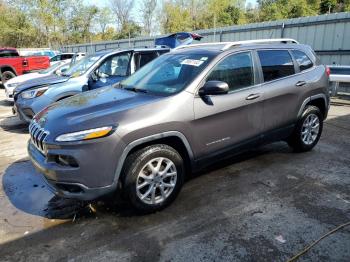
point(223, 121)
point(112, 70)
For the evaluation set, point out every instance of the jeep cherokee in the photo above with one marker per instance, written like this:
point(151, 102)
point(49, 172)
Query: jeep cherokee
point(177, 114)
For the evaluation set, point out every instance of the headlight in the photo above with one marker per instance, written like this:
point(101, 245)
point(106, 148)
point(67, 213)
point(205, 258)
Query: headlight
point(86, 134)
point(34, 92)
point(13, 85)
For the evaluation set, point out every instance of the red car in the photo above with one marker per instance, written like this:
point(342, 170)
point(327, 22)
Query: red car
point(12, 64)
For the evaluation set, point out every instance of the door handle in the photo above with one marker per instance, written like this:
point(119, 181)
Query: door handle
point(300, 83)
point(252, 96)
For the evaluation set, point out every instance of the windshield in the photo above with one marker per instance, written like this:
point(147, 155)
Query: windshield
point(168, 74)
point(82, 66)
point(50, 69)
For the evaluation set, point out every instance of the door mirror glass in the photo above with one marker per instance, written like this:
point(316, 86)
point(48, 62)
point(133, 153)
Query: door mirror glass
point(214, 88)
point(94, 76)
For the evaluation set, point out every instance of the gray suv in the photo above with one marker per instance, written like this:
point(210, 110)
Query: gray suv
point(178, 114)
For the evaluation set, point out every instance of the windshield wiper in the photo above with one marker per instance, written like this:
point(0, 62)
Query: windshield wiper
point(133, 89)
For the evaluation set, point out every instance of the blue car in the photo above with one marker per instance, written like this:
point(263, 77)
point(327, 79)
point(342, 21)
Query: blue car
point(94, 71)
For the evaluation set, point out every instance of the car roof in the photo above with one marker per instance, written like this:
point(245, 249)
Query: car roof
point(137, 49)
point(8, 49)
point(218, 49)
point(257, 43)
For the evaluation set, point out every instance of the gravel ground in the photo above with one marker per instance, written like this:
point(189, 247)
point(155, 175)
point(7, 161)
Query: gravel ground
point(264, 205)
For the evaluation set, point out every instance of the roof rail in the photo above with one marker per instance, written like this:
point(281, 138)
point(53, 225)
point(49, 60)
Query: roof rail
point(227, 45)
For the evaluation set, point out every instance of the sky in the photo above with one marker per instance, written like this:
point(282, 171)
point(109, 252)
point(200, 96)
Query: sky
point(102, 3)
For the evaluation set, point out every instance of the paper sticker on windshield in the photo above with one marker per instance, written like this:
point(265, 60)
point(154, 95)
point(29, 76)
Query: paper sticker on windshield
point(192, 62)
point(170, 89)
point(204, 58)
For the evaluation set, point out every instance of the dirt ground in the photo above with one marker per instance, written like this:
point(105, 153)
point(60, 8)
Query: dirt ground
point(265, 205)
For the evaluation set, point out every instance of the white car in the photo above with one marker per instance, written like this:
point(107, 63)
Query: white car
point(11, 84)
point(66, 57)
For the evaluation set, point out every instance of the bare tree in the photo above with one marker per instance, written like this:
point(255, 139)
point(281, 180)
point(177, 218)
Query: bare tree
point(148, 10)
point(122, 10)
point(103, 19)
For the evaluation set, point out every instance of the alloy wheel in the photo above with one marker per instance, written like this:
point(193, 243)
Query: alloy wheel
point(156, 181)
point(310, 129)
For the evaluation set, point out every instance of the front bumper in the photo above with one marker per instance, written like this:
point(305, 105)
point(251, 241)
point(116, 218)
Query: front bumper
point(91, 179)
point(28, 108)
point(9, 94)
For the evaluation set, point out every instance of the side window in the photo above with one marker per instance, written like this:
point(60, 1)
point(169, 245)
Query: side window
point(236, 70)
point(66, 56)
point(302, 59)
point(115, 66)
point(55, 58)
point(276, 64)
point(146, 58)
point(8, 53)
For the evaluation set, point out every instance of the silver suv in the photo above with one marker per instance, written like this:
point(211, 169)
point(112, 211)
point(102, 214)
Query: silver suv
point(177, 114)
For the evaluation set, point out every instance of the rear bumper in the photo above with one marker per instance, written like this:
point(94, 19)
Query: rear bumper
point(91, 179)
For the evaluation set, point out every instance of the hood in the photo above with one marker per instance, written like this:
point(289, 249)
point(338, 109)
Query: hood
point(41, 81)
point(11, 84)
point(20, 79)
point(91, 109)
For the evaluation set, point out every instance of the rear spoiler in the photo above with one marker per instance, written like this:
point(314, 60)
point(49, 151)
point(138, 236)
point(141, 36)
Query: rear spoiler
point(177, 39)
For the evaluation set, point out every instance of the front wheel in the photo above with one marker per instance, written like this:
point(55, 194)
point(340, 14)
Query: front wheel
point(308, 130)
point(153, 177)
point(7, 75)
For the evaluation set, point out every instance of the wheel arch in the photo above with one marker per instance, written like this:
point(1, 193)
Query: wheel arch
point(175, 139)
point(4, 68)
point(319, 100)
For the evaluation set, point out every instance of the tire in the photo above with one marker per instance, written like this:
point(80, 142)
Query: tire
point(137, 172)
point(7, 75)
point(307, 131)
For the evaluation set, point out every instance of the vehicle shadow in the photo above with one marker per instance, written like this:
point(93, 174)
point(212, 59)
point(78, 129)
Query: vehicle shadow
point(6, 103)
point(14, 125)
point(26, 189)
point(28, 192)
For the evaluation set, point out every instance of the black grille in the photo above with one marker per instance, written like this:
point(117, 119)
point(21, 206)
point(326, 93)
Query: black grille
point(37, 135)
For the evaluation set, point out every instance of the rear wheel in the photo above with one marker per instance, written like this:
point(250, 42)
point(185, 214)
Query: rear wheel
point(7, 75)
point(153, 177)
point(308, 130)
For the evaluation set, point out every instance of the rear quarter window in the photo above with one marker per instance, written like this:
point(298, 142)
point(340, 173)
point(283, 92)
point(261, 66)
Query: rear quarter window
point(302, 59)
point(276, 64)
point(8, 53)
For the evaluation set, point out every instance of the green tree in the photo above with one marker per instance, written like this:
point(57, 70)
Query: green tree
point(327, 6)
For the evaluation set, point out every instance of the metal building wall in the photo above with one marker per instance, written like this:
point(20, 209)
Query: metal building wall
point(329, 36)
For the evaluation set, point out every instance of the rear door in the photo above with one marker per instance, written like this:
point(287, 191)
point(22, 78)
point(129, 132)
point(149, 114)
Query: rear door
point(142, 58)
point(281, 87)
point(222, 121)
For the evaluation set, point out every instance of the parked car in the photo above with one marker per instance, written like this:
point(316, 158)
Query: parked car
point(177, 39)
point(177, 114)
point(67, 57)
point(48, 53)
point(12, 64)
point(94, 71)
point(11, 84)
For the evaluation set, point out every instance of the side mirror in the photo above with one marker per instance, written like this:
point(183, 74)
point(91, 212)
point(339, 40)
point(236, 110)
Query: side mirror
point(214, 88)
point(94, 76)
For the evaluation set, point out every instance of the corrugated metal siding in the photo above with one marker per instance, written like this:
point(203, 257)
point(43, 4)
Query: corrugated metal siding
point(329, 36)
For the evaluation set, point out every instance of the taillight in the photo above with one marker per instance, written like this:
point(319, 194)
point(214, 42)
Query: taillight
point(328, 71)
